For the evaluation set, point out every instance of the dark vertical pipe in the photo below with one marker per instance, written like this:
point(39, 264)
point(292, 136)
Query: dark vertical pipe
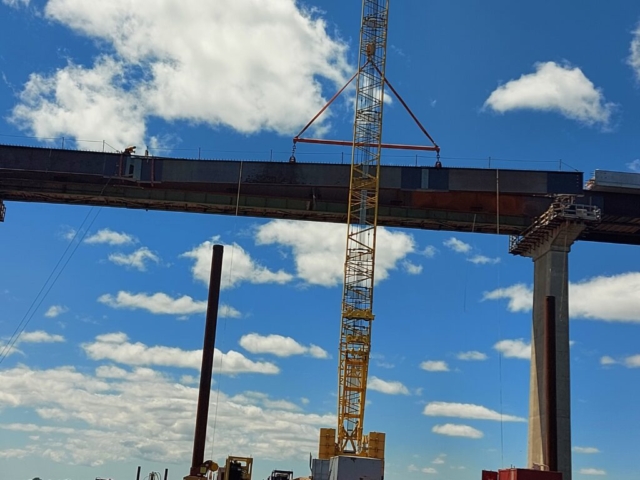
point(166, 473)
point(206, 371)
point(138, 474)
point(551, 382)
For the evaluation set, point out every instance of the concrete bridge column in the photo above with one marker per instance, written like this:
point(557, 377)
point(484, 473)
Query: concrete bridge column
point(550, 259)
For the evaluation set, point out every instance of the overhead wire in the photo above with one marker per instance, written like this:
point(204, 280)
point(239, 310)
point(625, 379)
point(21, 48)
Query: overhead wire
point(499, 319)
point(33, 308)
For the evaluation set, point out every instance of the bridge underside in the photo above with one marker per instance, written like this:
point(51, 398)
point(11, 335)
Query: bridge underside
point(461, 200)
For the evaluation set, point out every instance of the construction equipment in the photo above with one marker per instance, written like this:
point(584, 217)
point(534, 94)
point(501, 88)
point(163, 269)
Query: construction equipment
point(362, 217)
point(281, 475)
point(236, 468)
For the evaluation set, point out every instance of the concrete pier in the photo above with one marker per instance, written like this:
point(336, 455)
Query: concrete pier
point(551, 279)
point(548, 243)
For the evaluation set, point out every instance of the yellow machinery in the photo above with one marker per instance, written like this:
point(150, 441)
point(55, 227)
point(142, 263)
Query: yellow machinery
point(236, 468)
point(362, 219)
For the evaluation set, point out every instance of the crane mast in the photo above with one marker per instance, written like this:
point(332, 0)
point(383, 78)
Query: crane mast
point(359, 266)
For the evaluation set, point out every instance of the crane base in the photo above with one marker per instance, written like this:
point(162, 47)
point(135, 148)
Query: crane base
point(347, 468)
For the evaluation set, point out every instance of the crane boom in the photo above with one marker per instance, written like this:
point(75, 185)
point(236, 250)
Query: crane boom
point(357, 297)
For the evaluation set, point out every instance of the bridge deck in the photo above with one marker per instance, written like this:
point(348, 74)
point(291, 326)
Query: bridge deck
point(450, 199)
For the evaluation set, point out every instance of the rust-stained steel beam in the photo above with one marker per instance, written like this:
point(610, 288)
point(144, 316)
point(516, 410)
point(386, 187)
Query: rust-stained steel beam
point(447, 199)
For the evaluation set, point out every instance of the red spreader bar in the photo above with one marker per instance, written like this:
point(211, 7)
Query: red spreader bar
point(346, 143)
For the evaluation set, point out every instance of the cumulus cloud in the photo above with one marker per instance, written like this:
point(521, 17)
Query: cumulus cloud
point(143, 413)
point(612, 298)
point(109, 237)
point(40, 336)
point(457, 245)
point(412, 268)
point(429, 251)
point(632, 361)
point(592, 471)
point(429, 470)
point(467, 410)
point(453, 430)
point(135, 259)
point(472, 355)
point(116, 347)
point(554, 88)
point(322, 263)
point(162, 304)
point(585, 450)
point(279, 346)
point(440, 459)
point(483, 260)
point(388, 387)
point(606, 360)
point(434, 366)
point(237, 266)
point(514, 349)
point(263, 71)
point(634, 165)
point(634, 53)
point(54, 310)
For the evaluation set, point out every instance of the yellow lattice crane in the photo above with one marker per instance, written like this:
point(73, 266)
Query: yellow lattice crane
point(362, 218)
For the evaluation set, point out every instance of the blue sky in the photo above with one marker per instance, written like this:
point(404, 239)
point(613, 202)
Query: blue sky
point(104, 377)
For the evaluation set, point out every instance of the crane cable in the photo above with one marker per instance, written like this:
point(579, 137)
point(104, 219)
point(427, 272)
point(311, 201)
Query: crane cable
point(499, 320)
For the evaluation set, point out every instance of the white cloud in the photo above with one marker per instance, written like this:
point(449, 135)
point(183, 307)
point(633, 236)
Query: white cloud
point(16, 3)
point(388, 387)
point(429, 470)
point(162, 304)
point(440, 459)
point(633, 361)
point(634, 53)
point(482, 260)
point(143, 413)
point(262, 71)
point(109, 237)
point(429, 251)
point(412, 468)
point(592, 471)
point(514, 349)
point(457, 245)
point(54, 310)
point(606, 360)
point(322, 263)
point(613, 298)
point(116, 347)
point(412, 268)
point(40, 336)
point(434, 366)
point(279, 346)
point(237, 266)
point(467, 410)
point(472, 355)
point(635, 165)
point(520, 297)
point(585, 450)
point(554, 88)
point(453, 430)
point(135, 259)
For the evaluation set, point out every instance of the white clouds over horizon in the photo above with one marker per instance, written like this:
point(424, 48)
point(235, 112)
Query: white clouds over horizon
point(279, 346)
point(468, 411)
point(453, 430)
point(612, 298)
point(514, 349)
point(137, 259)
point(163, 304)
point(554, 88)
point(109, 237)
point(157, 59)
point(322, 263)
point(386, 386)
point(116, 347)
